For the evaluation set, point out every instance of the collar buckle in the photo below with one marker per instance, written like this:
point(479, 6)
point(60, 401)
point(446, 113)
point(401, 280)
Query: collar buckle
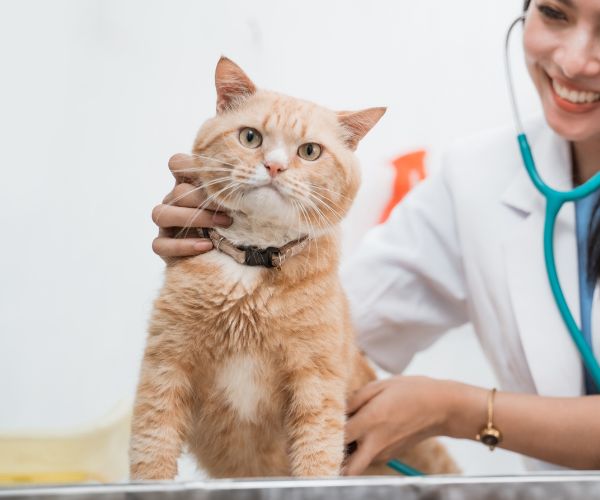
point(260, 257)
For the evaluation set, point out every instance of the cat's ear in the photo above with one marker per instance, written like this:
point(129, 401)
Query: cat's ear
point(358, 123)
point(232, 84)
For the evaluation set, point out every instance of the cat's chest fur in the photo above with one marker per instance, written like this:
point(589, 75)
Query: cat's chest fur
point(236, 357)
point(229, 274)
point(245, 384)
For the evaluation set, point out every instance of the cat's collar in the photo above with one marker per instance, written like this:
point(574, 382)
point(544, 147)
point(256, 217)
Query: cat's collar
point(254, 256)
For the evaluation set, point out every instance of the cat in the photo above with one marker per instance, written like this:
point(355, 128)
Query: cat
point(250, 354)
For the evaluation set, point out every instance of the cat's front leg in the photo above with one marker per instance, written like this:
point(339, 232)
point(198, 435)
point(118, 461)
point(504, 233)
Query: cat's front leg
point(161, 412)
point(315, 423)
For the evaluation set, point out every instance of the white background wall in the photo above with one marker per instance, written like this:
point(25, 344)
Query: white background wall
point(95, 95)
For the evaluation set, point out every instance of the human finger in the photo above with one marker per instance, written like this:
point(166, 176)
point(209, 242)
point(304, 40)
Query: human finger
point(362, 396)
point(184, 247)
point(360, 459)
point(183, 166)
point(358, 425)
point(172, 216)
point(185, 195)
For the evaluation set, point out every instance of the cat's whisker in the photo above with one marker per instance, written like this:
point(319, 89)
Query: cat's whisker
point(175, 200)
point(337, 216)
point(322, 188)
point(316, 244)
point(201, 207)
point(296, 204)
point(180, 197)
point(205, 157)
point(295, 194)
point(325, 198)
point(299, 189)
point(331, 205)
point(212, 182)
point(301, 219)
point(313, 186)
point(310, 224)
point(215, 195)
point(204, 169)
point(245, 176)
point(324, 203)
point(322, 218)
point(237, 187)
point(239, 183)
point(196, 173)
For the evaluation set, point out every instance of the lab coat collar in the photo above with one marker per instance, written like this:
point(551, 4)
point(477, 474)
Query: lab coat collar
point(551, 354)
point(552, 156)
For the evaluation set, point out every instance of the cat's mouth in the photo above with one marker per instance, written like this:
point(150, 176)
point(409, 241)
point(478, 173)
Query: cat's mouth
point(270, 186)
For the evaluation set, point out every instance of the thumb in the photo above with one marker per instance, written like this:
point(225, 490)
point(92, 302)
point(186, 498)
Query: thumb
point(362, 396)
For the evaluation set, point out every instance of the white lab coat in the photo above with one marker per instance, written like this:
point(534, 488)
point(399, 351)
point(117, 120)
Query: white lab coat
point(466, 246)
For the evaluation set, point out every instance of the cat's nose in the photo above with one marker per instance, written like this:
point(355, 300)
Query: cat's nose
point(274, 168)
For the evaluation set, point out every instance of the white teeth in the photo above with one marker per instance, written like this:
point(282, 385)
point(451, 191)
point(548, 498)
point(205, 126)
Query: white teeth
point(574, 96)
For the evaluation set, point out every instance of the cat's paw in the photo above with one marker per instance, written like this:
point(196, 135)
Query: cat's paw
point(152, 472)
point(317, 471)
point(317, 467)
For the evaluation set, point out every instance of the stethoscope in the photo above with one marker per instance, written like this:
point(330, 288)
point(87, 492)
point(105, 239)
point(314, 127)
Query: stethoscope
point(554, 202)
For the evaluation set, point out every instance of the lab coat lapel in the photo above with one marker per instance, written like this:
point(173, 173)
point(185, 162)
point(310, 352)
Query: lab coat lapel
point(552, 357)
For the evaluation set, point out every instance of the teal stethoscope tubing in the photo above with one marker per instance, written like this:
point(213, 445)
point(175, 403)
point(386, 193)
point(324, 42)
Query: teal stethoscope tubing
point(554, 201)
point(402, 468)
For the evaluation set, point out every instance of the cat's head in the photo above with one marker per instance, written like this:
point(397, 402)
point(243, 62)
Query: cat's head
point(278, 159)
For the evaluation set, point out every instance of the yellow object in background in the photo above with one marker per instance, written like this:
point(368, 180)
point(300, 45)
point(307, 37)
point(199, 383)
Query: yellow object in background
point(95, 453)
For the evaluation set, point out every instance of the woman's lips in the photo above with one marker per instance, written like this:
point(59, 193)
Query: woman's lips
point(571, 99)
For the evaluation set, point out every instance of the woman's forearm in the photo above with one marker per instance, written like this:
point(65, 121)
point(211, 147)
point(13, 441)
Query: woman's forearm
point(564, 431)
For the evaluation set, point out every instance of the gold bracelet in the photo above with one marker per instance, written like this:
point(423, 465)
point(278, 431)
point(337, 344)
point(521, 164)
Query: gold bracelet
point(490, 435)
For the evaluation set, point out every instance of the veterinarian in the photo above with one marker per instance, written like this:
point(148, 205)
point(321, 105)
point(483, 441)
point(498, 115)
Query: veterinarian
point(465, 246)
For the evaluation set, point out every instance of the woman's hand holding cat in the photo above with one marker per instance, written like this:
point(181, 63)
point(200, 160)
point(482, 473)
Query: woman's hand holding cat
point(180, 209)
point(396, 414)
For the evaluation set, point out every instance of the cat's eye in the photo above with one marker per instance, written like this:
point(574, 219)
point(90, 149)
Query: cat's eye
point(309, 151)
point(250, 137)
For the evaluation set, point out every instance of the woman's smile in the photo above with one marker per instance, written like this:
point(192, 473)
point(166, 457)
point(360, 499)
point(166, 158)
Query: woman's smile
point(572, 98)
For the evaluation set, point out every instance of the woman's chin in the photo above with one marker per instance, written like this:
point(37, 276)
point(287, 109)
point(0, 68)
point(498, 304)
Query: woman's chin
point(572, 126)
point(573, 130)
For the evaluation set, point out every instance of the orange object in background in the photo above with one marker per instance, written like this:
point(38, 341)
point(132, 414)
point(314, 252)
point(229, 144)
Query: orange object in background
point(410, 170)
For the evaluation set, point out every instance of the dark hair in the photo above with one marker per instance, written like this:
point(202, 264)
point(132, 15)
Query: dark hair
point(593, 261)
point(526, 4)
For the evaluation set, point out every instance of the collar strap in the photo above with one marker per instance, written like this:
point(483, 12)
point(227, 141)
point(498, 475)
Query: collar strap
point(254, 256)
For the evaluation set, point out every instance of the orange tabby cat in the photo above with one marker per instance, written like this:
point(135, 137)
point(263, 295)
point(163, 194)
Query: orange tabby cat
point(249, 364)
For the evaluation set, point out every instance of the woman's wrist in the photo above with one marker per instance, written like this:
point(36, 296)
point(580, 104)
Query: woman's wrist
point(466, 410)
